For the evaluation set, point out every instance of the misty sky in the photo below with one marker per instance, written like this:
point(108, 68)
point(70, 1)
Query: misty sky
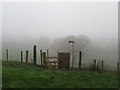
point(24, 24)
point(95, 20)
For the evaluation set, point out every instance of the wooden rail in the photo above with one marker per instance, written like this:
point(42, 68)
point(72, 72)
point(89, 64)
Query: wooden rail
point(52, 57)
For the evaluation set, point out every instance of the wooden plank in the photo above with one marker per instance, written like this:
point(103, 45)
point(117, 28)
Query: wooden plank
point(52, 61)
point(51, 57)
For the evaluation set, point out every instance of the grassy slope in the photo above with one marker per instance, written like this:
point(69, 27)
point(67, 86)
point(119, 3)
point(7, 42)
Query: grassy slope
point(21, 75)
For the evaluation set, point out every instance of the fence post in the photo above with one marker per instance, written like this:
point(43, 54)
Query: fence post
point(26, 56)
point(21, 56)
point(94, 64)
point(7, 54)
point(102, 64)
point(80, 56)
point(47, 54)
point(118, 68)
point(41, 57)
point(34, 54)
point(44, 58)
point(118, 73)
point(47, 57)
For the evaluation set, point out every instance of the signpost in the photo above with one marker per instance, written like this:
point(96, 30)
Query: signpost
point(73, 59)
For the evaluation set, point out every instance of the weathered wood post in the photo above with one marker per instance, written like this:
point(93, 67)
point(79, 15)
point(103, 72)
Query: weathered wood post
point(34, 54)
point(41, 57)
point(21, 56)
point(80, 57)
point(102, 64)
point(94, 65)
point(57, 59)
point(47, 64)
point(44, 58)
point(47, 54)
point(7, 54)
point(118, 68)
point(118, 73)
point(26, 56)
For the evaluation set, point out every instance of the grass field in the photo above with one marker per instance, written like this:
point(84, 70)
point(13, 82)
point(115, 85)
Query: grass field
point(21, 75)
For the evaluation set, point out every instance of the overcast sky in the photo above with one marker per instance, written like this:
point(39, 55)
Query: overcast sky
point(93, 19)
point(97, 20)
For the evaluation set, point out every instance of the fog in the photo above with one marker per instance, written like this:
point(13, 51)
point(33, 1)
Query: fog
point(93, 27)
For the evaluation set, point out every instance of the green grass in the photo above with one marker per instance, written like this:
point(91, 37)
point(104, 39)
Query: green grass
point(21, 75)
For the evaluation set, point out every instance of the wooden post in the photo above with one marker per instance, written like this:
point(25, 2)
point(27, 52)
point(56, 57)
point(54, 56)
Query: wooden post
point(47, 57)
point(44, 58)
point(7, 54)
point(80, 56)
point(47, 54)
point(94, 64)
point(50, 65)
point(21, 56)
point(26, 56)
point(118, 68)
point(118, 73)
point(41, 57)
point(57, 59)
point(34, 54)
point(102, 64)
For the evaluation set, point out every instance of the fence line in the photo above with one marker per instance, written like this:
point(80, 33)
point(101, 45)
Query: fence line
point(45, 55)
